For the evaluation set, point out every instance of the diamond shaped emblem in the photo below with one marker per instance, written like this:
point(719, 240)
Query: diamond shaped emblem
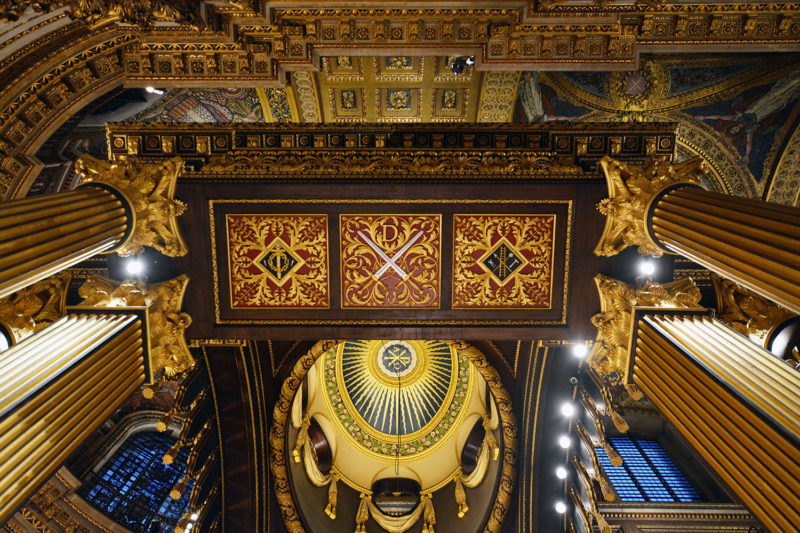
point(278, 261)
point(502, 262)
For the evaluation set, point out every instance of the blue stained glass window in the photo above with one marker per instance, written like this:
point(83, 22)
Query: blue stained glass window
point(647, 473)
point(132, 487)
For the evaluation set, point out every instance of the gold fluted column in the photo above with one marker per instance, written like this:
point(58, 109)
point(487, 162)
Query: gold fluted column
point(120, 207)
point(751, 242)
point(57, 387)
point(734, 402)
point(40, 236)
point(660, 208)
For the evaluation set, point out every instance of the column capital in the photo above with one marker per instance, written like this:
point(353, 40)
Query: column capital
point(611, 352)
point(631, 191)
point(149, 189)
point(28, 310)
point(166, 323)
point(748, 313)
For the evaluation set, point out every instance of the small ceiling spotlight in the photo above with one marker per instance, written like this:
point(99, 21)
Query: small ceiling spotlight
point(647, 267)
point(561, 472)
point(580, 350)
point(153, 90)
point(134, 266)
point(561, 507)
point(460, 63)
point(194, 516)
point(564, 441)
point(567, 409)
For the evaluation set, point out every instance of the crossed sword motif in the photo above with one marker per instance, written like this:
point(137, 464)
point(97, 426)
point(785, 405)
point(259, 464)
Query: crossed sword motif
point(391, 262)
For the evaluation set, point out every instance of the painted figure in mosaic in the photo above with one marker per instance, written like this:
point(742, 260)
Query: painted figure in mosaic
point(751, 118)
point(536, 107)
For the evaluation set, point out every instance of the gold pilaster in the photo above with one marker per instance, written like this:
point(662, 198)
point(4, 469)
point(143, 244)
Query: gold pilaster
point(610, 355)
point(735, 403)
point(58, 387)
point(751, 242)
point(40, 236)
point(631, 190)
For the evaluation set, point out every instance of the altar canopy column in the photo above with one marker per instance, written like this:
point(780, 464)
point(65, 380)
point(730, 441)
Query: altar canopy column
point(58, 386)
point(43, 235)
point(734, 402)
point(661, 208)
point(754, 243)
point(119, 208)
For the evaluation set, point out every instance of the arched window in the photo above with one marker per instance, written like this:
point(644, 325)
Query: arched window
point(647, 473)
point(132, 487)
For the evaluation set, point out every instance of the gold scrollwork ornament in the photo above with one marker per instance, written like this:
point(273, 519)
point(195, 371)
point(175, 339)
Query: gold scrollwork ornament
point(630, 191)
point(167, 324)
point(612, 350)
point(150, 189)
point(30, 309)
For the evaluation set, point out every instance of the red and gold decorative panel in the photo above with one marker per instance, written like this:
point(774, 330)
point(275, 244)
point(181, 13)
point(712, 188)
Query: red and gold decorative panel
point(278, 261)
point(503, 261)
point(390, 261)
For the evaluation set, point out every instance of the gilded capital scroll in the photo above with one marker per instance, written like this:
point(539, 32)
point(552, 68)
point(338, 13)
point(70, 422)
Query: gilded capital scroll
point(167, 324)
point(748, 313)
point(611, 352)
point(150, 189)
point(630, 191)
point(30, 309)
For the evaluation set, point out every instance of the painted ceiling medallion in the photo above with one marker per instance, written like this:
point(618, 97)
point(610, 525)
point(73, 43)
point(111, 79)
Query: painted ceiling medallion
point(382, 390)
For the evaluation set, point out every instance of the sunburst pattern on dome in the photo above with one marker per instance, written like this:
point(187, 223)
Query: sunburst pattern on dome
point(397, 387)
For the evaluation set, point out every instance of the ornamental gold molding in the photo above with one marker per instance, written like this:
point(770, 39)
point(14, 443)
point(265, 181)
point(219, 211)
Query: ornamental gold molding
point(150, 191)
point(630, 192)
point(283, 408)
point(145, 13)
point(517, 36)
point(30, 309)
point(166, 323)
point(748, 313)
point(611, 352)
point(37, 99)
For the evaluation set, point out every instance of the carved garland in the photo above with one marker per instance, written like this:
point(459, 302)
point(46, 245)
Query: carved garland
point(291, 385)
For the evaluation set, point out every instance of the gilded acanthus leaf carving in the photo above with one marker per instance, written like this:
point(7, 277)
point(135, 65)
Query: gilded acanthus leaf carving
point(611, 352)
point(167, 324)
point(150, 188)
point(145, 13)
point(630, 190)
point(745, 311)
point(392, 163)
point(30, 309)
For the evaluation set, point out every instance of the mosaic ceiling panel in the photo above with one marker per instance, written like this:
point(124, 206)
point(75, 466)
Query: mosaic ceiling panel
point(739, 112)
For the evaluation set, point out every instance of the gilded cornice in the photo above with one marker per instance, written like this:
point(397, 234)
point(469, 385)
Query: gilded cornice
point(517, 36)
point(166, 324)
point(611, 352)
point(77, 67)
point(440, 151)
point(631, 189)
